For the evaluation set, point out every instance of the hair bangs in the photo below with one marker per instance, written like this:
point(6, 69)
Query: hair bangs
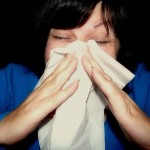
point(72, 14)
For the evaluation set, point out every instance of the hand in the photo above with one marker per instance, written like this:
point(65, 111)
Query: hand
point(43, 100)
point(134, 123)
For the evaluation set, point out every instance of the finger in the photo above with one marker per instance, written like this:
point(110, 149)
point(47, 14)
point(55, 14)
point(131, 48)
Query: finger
point(119, 102)
point(67, 60)
point(94, 63)
point(53, 85)
point(63, 64)
point(38, 110)
point(112, 92)
point(62, 77)
point(53, 101)
point(64, 94)
point(87, 65)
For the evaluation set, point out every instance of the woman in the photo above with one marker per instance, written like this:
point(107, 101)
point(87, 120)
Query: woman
point(62, 22)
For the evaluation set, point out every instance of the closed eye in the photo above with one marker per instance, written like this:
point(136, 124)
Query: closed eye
point(60, 37)
point(103, 42)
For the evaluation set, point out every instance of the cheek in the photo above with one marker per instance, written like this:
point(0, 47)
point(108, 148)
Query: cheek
point(47, 54)
point(111, 51)
point(48, 49)
point(51, 44)
point(113, 55)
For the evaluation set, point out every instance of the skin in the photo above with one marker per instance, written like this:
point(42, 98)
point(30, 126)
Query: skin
point(40, 103)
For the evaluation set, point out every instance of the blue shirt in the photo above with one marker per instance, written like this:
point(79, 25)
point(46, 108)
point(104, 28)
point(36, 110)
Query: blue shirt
point(17, 81)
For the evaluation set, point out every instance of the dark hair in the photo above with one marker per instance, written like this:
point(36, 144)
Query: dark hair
point(62, 14)
point(67, 14)
point(118, 15)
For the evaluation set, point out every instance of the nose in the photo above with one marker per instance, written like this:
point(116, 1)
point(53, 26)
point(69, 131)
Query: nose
point(82, 34)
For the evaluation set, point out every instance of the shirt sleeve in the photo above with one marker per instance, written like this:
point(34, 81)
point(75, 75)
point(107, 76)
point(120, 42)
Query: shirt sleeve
point(140, 88)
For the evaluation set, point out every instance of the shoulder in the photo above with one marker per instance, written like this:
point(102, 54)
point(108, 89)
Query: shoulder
point(16, 72)
point(142, 71)
point(140, 87)
point(16, 83)
point(16, 69)
point(142, 76)
point(18, 75)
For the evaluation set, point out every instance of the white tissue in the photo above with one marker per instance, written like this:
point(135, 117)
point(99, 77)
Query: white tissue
point(78, 124)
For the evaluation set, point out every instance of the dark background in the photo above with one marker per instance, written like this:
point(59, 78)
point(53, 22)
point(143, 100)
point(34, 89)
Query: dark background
point(16, 30)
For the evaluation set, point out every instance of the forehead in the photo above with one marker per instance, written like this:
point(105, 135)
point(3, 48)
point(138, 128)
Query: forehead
point(94, 24)
point(95, 20)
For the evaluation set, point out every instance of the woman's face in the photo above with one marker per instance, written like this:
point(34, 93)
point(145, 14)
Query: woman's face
point(93, 29)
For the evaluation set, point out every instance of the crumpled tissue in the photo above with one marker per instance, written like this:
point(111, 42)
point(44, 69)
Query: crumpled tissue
point(78, 124)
